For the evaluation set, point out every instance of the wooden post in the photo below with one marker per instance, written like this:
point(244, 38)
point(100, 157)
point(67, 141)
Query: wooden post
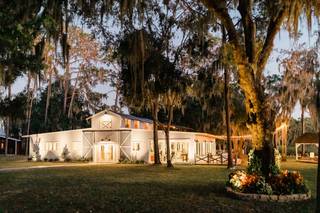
point(27, 146)
point(15, 147)
point(283, 143)
point(276, 139)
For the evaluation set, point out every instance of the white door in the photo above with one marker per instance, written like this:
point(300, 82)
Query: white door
point(107, 152)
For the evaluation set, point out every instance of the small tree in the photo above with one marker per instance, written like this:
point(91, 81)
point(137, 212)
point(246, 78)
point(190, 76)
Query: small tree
point(66, 153)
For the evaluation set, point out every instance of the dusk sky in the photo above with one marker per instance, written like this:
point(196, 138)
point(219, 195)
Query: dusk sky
point(282, 42)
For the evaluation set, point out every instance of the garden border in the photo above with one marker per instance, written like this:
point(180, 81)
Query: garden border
point(265, 197)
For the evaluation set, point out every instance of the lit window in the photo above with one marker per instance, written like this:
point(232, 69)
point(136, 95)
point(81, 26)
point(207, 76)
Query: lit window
point(2, 145)
point(106, 122)
point(127, 123)
point(145, 125)
point(136, 124)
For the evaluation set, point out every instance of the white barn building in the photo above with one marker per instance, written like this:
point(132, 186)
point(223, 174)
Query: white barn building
point(115, 136)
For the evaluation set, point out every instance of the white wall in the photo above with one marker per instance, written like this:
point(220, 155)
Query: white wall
point(52, 144)
point(143, 138)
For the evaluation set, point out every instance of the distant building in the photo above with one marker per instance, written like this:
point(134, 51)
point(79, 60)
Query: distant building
point(15, 146)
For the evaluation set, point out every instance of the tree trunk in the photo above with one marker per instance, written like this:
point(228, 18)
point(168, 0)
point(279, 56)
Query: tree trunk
point(73, 94)
point(48, 97)
point(167, 133)
point(7, 124)
point(226, 100)
point(302, 120)
point(155, 109)
point(318, 175)
point(260, 120)
point(116, 98)
point(66, 88)
point(318, 170)
point(29, 112)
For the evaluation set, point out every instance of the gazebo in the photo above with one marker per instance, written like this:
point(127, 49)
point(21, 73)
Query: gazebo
point(311, 141)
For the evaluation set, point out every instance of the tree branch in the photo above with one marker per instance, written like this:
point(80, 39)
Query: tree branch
point(220, 9)
point(245, 9)
point(273, 29)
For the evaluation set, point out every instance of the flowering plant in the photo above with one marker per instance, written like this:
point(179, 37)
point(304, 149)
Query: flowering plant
point(288, 183)
point(248, 183)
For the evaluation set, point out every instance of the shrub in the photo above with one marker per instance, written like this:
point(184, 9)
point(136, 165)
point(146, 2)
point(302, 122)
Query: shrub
point(254, 163)
point(248, 183)
point(66, 154)
point(284, 183)
point(288, 183)
point(127, 161)
point(45, 159)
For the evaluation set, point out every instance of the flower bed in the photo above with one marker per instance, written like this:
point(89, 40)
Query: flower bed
point(279, 186)
point(265, 197)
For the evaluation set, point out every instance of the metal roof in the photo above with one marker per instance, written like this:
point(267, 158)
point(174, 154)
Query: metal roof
point(4, 137)
point(131, 117)
point(307, 138)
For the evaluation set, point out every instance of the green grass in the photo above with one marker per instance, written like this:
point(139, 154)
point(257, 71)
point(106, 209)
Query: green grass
point(134, 188)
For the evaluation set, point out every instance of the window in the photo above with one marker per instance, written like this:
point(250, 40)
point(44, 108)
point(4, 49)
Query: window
point(145, 125)
point(198, 148)
point(136, 124)
point(2, 145)
point(127, 123)
point(136, 147)
point(51, 146)
point(106, 124)
point(208, 147)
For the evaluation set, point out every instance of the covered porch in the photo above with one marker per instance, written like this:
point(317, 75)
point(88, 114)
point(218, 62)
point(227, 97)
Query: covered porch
point(212, 149)
point(306, 147)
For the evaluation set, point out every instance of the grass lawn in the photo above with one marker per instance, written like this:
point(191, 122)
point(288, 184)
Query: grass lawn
point(134, 188)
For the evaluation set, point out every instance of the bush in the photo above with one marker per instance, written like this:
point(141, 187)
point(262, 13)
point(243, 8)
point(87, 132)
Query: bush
point(279, 182)
point(83, 159)
point(284, 183)
point(66, 154)
point(288, 183)
point(45, 159)
point(248, 183)
point(127, 161)
point(254, 163)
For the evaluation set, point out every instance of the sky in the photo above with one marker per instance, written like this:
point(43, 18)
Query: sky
point(282, 42)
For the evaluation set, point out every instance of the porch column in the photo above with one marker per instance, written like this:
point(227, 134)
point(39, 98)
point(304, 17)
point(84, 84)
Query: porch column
point(15, 147)
point(27, 146)
point(297, 151)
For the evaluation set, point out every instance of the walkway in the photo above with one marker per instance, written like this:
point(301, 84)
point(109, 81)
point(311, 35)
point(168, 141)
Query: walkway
point(13, 169)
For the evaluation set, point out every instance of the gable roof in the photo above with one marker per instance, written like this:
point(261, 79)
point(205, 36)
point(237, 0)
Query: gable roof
point(9, 138)
point(307, 138)
point(122, 115)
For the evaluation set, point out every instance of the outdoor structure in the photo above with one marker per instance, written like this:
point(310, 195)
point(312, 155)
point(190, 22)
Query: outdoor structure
point(15, 146)
point(115, 136)
point(311, 142)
